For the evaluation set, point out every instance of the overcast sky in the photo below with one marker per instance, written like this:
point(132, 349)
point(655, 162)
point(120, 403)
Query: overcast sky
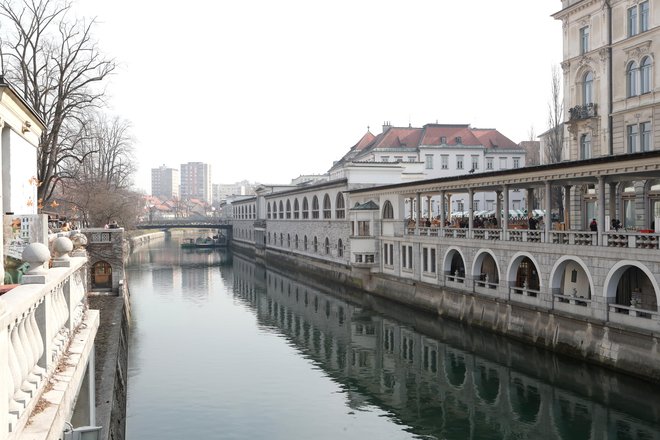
point(268, 90)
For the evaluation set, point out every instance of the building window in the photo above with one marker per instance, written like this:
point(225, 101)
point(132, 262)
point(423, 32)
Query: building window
point(281, 210)
point(429, 161)
point(444, 161)
point(503, 163)
point(644, 16)
point(388, 252)
point(304, 242)
point(632, 21)
point(296, 209)
point(412, 158)
point(326, 246)
point(645, 139)
point(340, 207)
point(516, 162)
point(585, 146)
point(295, 242)
point(459, 206)
point(632, 132)
point(584, 40)
point(406, 257)
point(363, 228)
point(316, 244)
point(645, 75)
point(398, 159)
point(443, 140)
point(459, 161)
point(385, 158)
point(288, 209)
point(631, 79)
point(340, 248)
point(327, 208)
point(315, 207)
point(269, 210)
point(475, 162)
point(305, 209)
point(489, 163)
point(388, 210)
point(588, 88)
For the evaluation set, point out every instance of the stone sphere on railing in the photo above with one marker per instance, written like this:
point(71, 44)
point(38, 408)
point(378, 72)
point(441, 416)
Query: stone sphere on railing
point(61, 247)
point(36, 254)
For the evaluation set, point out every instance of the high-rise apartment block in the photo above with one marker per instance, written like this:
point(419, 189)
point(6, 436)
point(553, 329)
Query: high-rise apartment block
point(165, 182)
point(196, 181)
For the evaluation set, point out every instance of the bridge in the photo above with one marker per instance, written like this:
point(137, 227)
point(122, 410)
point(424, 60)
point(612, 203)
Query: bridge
point(197, 223)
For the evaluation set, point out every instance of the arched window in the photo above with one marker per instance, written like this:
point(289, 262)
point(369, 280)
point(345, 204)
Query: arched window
point(295, 242)
point(631, 79)
point(268, 209)
point(269, 238)
point(585, 146)
point(645, 75)
point(326, 246)
point(305, 209)
point(340, 206)
point(288, 209)
point(588, 88)
point(281, 209)
point(288, 240)
point(327, 209)
point(388, 210)
point(340, 248)
point(296, 209)
point(281, 239)
point(305, 242)
point(315, 207)
point(316, 244)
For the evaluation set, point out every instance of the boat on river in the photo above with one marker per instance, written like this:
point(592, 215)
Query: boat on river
point(216, 241)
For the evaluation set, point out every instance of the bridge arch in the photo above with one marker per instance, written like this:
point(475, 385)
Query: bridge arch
point(523, 268)
point(580, 282)
point(454, 262)
point(627, 275)
point(485, 266)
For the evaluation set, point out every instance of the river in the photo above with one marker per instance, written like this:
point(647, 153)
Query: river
point(222, 348)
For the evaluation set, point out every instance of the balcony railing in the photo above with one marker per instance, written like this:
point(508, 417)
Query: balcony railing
point(585, 111)
point(45, 329)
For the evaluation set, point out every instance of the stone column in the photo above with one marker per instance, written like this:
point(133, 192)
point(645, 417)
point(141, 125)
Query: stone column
point(530, 202)
point(429, 207)
point(498, 208)
point(547, 218)
point(449, 207)
point(418, 208)
point(470, 211)
point(442, 209)
point(612, 204)
point(505, 212)
point(601, 208)
point(567, 207)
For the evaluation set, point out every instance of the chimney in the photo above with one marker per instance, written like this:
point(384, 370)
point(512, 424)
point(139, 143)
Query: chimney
point(386, 126)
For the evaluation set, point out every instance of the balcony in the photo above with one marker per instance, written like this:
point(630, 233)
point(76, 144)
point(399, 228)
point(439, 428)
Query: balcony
point(47, 335)
point(585, 111)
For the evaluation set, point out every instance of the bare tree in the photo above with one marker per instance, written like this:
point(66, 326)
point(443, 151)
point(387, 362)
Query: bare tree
point(103, 153)
point(53, 58)
point(554, 148)
point(555, 140)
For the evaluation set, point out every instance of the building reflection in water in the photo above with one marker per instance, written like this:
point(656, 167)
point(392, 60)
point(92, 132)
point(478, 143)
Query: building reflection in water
point(444, 379)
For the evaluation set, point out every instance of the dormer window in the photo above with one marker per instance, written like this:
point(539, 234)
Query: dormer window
point(458, 140)
point(443, 139)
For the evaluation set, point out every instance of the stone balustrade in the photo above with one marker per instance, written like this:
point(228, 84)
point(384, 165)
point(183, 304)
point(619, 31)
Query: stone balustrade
point(39, 321)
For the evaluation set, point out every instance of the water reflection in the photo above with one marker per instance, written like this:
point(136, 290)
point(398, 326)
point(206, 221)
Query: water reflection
point(443, 379)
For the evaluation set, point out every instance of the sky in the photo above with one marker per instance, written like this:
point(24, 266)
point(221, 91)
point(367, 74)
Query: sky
point(266, 90)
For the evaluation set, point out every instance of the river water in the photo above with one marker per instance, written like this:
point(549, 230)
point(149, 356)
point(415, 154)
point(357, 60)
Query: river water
point(222, 348)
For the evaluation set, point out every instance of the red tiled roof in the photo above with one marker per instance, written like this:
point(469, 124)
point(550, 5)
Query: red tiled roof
point(434, 132)
point(364, 141)
point(491, 138)
point(398, 137)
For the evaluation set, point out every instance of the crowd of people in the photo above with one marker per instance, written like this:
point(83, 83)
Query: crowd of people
point(479, 222)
